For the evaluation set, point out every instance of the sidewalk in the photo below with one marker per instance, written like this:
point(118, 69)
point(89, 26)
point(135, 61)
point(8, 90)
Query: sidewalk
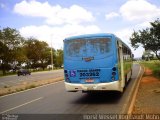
point(148, 96)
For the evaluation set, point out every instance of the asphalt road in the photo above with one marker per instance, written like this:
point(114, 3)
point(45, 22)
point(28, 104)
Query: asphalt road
point(53, 99)
point(15, 80)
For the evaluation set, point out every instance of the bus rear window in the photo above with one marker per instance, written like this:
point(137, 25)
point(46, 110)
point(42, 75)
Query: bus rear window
point(87, 47)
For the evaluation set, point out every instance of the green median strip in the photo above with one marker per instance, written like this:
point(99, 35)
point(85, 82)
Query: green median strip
point(27, 85)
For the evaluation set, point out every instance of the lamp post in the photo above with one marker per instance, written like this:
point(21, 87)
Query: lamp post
point(51, 54)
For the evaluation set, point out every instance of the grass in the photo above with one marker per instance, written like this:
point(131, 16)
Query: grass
point(154, 66)
point(30, 86)
point(20, 89)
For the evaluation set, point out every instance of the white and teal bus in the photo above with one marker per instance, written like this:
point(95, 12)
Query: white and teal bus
point(96, 62)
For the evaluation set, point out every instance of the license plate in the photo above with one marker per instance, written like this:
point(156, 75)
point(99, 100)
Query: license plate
point(89, 81)
point(90, 88)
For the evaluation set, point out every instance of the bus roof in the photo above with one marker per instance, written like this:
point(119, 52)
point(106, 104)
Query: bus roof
point(90, 35)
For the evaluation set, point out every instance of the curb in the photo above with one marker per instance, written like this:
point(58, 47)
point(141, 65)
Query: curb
point(136, 87)
point(135, 91)
point(128, 107)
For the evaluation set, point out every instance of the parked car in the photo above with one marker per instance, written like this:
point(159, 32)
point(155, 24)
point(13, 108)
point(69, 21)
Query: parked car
point(23, 72)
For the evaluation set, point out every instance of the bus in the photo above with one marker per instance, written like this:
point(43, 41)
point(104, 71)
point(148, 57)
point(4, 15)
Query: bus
point(96, 62)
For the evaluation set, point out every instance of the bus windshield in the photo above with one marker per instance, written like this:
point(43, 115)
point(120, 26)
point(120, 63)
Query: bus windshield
point(88, 47)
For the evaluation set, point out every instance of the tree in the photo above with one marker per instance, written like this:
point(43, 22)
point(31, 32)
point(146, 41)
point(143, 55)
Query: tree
point(10, 42)
point(37, 52)
point(149, 38)
point(155, 31)
point(59, 58)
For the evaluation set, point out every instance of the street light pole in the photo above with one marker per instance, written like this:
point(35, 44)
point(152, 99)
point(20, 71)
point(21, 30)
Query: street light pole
point(51, 54)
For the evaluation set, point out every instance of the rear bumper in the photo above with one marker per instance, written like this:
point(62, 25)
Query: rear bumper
point(115, 86)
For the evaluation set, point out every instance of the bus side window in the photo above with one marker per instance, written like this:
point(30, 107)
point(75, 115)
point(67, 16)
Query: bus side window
point(118, 52)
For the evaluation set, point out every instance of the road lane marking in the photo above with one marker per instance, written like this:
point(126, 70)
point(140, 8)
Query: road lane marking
point(32, 89)
point(21, 105)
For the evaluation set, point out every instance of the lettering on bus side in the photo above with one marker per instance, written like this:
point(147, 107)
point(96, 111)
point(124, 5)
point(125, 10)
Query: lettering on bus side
point(89, 73)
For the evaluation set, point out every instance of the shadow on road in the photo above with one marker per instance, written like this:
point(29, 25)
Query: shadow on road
point(109, 97)
point(106, 97)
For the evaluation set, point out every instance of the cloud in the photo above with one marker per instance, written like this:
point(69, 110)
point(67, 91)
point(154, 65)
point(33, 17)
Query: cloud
point(66, 21)
point(143, 25)
point(57, 34)
point(139, 14)
point(111, 15)
point(139, 10)
point(54, 15)
point(124, 35)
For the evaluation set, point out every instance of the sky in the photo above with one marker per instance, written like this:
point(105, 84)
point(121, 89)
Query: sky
point(54, 20)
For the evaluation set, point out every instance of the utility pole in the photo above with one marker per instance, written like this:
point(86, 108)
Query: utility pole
point(51, 54)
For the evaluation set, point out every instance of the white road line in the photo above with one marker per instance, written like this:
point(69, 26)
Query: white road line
point(21, 105)
point(31, 89)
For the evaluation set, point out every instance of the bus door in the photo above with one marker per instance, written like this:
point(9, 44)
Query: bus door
point(120, 64)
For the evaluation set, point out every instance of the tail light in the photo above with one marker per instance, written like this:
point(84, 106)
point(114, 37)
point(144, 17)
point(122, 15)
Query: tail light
point(66, 76)
point(113, 73)
point(114, 68)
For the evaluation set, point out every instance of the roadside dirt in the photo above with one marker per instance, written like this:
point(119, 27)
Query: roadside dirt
point(148, 97)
